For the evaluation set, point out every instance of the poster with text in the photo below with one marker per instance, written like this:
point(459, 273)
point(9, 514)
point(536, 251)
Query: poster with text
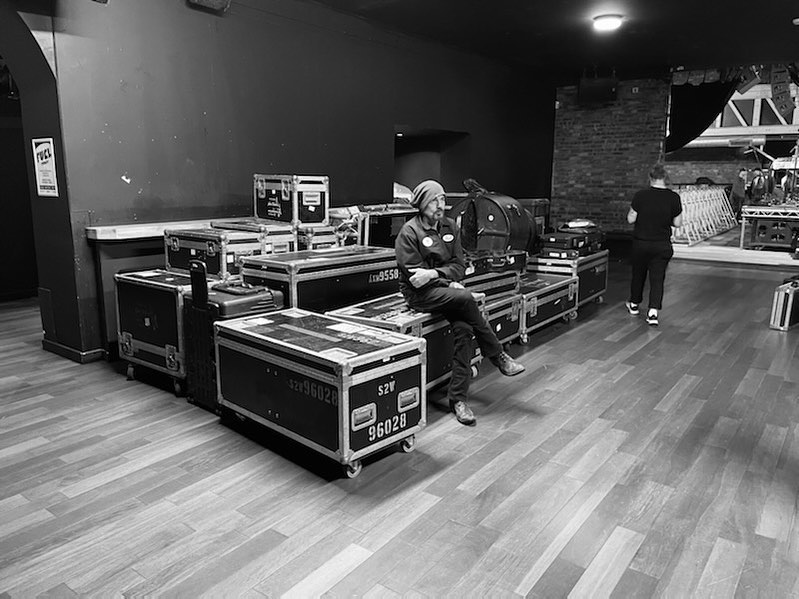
point(44, 165)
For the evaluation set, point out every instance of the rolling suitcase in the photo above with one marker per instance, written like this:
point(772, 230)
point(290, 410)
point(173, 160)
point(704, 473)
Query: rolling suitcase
point(392, 313)
point(201, 308)
point(323, 280)
point(342, 389)
point(784, 307)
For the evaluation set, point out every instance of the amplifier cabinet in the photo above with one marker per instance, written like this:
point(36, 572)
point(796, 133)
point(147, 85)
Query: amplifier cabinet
point(220, 250)
point(546, 298)
point(504, 315)
point(392, 313)
point(326, 279)
point(150, 321)
point(292, 199)
point(592, 271)
point(784, 307)
point(343, 389)
point(198, 321)
point(277, 238)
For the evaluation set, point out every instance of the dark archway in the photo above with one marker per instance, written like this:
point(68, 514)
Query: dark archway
point(70, 329)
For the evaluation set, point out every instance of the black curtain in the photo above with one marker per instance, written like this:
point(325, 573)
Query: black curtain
point(693, 109)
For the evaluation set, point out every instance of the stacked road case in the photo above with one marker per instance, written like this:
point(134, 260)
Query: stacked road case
point(220, 250)
point(546, 298)
point(392, 313)
point(292, 199)
point(276, 238)
point(326, 279)
point(342, 389)
point(592, 272)
point(785, 307)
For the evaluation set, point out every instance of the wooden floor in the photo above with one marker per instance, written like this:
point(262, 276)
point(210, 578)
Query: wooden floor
point(627, 462)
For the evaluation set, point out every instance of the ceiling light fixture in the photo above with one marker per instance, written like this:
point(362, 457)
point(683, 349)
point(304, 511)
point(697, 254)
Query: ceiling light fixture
point(607, 22)
point(795, 21)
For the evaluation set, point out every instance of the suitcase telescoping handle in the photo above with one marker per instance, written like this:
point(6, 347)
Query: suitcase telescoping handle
point(199, 287)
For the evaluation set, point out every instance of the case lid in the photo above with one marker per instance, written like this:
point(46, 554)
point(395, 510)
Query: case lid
point(157, 276)
point(211, 234)
point(258, 225)
point(538, 281)
point(389, 309)
point(320, 258)
point(322, 336)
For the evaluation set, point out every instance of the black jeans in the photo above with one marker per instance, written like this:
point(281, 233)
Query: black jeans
point(649, 258)
point(463, 313)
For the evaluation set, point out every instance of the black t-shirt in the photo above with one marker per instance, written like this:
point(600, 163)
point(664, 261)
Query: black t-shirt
point(656, 209)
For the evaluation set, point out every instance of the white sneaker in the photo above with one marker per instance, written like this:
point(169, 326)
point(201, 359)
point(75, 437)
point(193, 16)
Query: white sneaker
point(652, 317)
point(632, 308)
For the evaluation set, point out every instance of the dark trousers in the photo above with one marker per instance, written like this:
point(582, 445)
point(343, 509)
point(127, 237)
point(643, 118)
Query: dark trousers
point(463, 313)
point(649, 258)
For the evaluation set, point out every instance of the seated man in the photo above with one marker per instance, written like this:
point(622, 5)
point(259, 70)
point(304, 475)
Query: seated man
point(430, 260)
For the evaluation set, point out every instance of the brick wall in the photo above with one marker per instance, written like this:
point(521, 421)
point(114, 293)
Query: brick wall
point(603, 153)
point(721, 172)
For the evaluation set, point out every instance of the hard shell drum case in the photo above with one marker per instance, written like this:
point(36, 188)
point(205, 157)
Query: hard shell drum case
point(340, 388)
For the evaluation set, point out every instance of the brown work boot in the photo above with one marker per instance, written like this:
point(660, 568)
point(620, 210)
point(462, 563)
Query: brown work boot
point(463, 413)
point(507, 365)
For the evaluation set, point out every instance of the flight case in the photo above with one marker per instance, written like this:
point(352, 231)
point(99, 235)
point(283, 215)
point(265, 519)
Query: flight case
point(201, 308)
point(221, 250)
point(322, 280)
point(503, 313)
point(494, 273)
point(392, 313)
point(150, 322)
point(344, 390)
point(316, 237)
point(292, 199)
point(546, 298)
point(277, 238)
point(784, 307)
point(592, 271)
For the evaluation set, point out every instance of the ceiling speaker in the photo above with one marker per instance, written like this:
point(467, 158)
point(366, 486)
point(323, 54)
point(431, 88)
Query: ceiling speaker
point(216, 5)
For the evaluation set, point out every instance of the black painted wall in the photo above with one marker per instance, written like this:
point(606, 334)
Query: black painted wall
point(167, 111)
point(19, 278)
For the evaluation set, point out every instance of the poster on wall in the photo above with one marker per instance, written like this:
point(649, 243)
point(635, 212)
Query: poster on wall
point(44, 165)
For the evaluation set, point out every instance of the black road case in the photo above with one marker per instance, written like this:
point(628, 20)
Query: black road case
point(392, 313)
point(221, 250)
point(344, 390)
point(317, 237)
point(546, 298)
point(494, 273)
point(292, 199)
point(784, 307)
point(591, 270)
point(150, 321)
point(504, 316)
point(200, 312)
point(276, 238)
point(323, 280)
point(379, 225)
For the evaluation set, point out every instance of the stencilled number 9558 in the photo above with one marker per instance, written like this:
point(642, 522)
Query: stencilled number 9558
point(387, 427)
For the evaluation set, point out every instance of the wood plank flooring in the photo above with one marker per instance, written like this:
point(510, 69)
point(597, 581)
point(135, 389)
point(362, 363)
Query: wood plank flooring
point(627, 461)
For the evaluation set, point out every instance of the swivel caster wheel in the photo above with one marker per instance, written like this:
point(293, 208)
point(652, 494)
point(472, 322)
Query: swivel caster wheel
point(353, 469)
point(130, 372)
point(475, 371)
point(600, 299)
point(524, 339)
point(570, 316)
point(408, 444)
point(177, 387)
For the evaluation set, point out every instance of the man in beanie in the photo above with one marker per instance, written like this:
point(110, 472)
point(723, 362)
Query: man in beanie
point(430, 260)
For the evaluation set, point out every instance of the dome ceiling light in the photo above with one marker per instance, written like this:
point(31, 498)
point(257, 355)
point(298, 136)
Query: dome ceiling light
point(607, 22)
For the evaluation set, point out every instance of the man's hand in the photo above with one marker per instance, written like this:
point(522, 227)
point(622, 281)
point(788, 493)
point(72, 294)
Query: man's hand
point(456, 285)
point(422, 276)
